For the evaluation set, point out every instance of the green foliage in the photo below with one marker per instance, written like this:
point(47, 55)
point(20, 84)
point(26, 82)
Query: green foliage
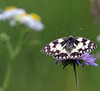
point(34, 71)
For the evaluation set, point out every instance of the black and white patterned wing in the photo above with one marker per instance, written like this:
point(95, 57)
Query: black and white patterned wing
point(56, 49)
point(84, 45)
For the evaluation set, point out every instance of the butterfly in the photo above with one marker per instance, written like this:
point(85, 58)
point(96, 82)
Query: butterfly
point(68, 48)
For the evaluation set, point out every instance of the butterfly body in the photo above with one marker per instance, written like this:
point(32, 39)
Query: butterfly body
point(68, 48)
point(69, 43)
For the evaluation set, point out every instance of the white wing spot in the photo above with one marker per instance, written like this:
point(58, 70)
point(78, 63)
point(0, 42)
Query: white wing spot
point(91, 47)
point(79, 39)
point(80, 45)
point(83, 47)
point(75, 56)
point(59, 47)
point(87, 42)
point(63, 51)
point(51, 44)
point(87, 50)
point(92, 44)
point(46, 50)
point(52, 49)
point(74, 50)
point(56, 53)
point(60, 57)
point(46, 47)
point(60, 40)
point(80, 51)
point(64, 57)
point(86, 46)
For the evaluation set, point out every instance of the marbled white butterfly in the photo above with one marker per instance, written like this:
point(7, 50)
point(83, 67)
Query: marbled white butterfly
point(69, 48)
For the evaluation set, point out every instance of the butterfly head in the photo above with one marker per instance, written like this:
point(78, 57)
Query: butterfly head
point(71, 38)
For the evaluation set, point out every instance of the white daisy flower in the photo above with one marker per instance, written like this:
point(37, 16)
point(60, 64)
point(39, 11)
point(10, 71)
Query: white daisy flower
point(10, 12)
point(32, 21)
point(35, 23)
point(13, 15)
point(12, 22)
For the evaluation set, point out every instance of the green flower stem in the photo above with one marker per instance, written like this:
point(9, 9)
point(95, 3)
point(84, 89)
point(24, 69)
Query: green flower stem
point(76, 80)
point(10, 69)
point(8, 76)
point(10, 66)
point(11, 55)
point(9, 51)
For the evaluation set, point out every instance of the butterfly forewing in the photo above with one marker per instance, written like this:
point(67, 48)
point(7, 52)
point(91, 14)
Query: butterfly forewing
point(56, 49)
point(84, 45)
point(60, 48)
point(87, 45)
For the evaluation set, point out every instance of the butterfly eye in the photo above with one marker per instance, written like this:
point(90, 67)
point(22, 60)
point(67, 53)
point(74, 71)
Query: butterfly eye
point(70, 38)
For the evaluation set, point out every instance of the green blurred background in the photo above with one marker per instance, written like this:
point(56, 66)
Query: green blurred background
point(35, 71)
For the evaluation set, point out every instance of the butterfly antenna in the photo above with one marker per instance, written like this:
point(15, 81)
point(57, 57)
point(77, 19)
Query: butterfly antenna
point(77, 31)
point(65, 32)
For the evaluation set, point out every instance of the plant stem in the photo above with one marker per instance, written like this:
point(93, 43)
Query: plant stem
point(8, 76)
point(76, 80)
point(10, 67)
point(11, 55)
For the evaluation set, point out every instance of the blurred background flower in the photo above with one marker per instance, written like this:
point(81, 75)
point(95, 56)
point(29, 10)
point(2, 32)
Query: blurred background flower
point(32, 21)
point(97, 55)
point(10, 12)
point(13, 15)
point(95, 8)
point(98, 38)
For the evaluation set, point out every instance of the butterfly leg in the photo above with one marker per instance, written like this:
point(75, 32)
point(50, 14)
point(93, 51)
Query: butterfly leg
point(57, 61)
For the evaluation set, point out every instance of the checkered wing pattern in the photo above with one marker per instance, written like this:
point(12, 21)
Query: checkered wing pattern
point(59, 48)
point(84, 45)
point(56, 49)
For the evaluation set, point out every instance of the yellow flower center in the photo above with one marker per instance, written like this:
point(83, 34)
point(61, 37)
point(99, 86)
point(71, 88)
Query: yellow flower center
point(35, 16)
point(10, 8)
point(24, 15)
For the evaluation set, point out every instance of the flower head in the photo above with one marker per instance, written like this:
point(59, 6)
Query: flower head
point(85, 59)
point(10, 12)
point(32, 21)
point(88, 59)
point(13, 15)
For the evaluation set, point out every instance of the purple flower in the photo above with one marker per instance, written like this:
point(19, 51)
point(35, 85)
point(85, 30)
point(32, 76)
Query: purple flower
point(88, 59)
point(85, 59)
